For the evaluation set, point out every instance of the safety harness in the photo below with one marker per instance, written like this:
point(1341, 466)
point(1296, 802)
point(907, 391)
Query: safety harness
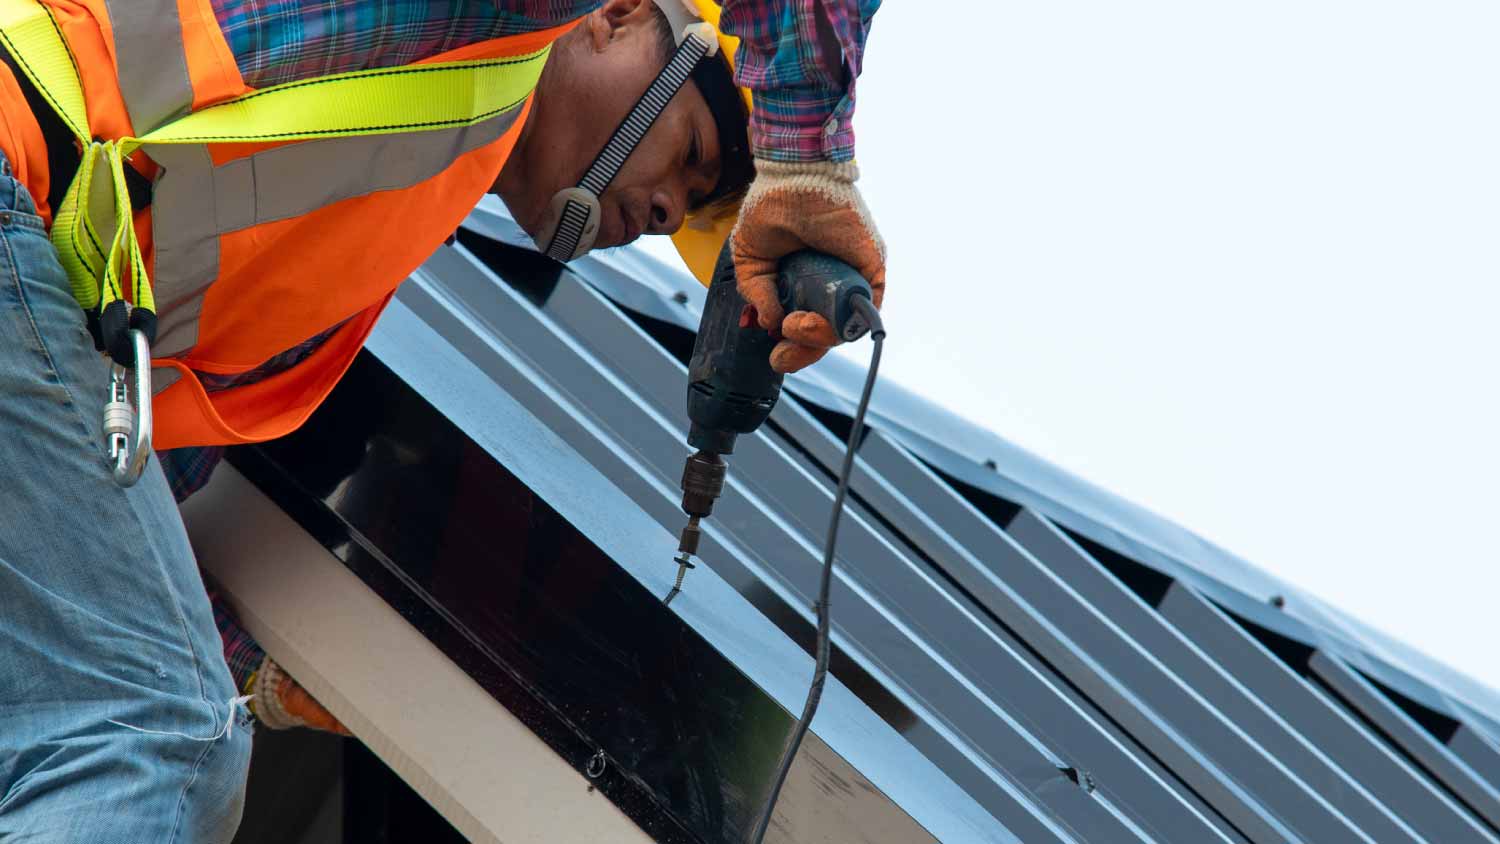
point(93, 229)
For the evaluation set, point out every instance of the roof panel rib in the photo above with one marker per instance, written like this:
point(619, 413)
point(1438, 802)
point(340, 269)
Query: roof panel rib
point(1347, 742)
point(1361, 695)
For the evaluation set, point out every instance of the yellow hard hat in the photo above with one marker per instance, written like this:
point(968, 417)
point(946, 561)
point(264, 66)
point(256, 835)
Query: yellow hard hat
point(704, 231)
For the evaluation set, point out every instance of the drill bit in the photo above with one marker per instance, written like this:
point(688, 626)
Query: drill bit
point(702, 483)
point(686, 548)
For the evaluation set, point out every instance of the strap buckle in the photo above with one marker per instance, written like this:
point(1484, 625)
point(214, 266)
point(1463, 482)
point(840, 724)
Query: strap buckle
point(122, 418)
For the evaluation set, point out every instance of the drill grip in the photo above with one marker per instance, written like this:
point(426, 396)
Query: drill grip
point(731, 387)
point(818, 282)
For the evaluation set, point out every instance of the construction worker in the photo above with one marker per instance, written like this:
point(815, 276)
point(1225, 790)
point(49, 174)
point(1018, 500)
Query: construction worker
point(224, 194)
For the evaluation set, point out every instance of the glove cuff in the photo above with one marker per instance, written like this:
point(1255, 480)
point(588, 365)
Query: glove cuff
point(809, 172)
point(266, 703)
point(831, 180)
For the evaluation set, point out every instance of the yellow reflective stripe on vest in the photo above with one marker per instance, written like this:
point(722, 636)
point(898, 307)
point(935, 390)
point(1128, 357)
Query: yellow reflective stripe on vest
point(366, 102)
point(415, 98)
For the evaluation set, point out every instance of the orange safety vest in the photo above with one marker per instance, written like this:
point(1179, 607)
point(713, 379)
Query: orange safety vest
point(255, 247)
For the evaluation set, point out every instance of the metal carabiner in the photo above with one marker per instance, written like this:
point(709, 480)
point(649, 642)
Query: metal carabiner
point(121, 418)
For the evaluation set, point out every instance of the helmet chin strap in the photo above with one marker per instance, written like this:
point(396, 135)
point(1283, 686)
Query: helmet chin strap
point(572, 221)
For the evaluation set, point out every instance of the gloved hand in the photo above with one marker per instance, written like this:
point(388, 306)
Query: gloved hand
point(280, 703)
point(792, 206)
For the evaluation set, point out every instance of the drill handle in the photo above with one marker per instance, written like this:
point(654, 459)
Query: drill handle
point(818, 282)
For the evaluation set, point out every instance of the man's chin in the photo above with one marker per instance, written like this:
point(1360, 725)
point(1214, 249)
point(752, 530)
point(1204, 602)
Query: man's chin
point(612, 240)
point(535, 227)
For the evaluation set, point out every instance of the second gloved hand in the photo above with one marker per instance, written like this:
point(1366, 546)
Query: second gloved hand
point(794, 206)
point(279, 702)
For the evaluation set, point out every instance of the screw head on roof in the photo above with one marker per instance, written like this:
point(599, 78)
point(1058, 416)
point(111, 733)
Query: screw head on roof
point(1278, 601)
point(596, 764)
point(991, 465)
point(1083, 779)
point(680, 298)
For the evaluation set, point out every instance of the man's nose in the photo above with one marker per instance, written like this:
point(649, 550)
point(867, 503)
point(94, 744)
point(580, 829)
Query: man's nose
point(666, 212)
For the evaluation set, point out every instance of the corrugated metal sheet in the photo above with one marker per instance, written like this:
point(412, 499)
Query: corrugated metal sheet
point(1082, 669)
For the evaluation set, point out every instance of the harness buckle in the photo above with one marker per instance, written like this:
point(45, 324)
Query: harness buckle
point(122, 418)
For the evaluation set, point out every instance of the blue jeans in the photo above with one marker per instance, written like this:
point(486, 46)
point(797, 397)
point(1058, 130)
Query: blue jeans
point(114, 696)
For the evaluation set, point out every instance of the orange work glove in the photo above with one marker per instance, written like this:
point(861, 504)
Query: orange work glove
point(792, 206)
point(280, 703)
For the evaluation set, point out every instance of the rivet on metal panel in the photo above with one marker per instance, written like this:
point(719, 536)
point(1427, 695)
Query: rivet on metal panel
point(991, 465)
point(1278, 601)
point(680, 298)
point(596, 765)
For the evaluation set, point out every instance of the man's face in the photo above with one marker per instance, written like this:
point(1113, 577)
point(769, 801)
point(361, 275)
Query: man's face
point(593, 78)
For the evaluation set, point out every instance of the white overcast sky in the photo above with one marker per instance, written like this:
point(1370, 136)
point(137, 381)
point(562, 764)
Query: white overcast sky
point(1238, 263)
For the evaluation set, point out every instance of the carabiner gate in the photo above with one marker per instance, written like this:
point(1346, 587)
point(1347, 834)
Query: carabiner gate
point(121, 418)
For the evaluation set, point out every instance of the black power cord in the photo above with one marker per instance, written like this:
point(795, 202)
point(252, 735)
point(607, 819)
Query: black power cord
point(820, 672)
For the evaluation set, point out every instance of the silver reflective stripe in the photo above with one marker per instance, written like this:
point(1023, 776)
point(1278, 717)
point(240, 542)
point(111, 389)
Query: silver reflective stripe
point(185, 243)
point(195, 202)
point(289, 181)
point(152, 61)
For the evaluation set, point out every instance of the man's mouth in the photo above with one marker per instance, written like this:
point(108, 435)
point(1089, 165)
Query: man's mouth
point(629, 228)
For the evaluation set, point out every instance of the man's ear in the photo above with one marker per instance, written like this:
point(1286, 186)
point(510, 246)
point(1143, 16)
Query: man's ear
point(614, 15)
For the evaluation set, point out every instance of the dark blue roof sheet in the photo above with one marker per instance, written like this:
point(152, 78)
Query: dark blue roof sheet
point(1014, 622)
point(979, 457)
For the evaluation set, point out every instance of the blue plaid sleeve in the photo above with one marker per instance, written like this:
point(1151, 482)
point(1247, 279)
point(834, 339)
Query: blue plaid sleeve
point(800, 58)
point(276, 41)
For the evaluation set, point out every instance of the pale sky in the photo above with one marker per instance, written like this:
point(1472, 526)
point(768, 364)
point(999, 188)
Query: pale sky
point(1236, 263)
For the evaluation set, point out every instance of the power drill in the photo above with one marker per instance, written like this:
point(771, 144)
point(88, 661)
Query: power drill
point(731, 387)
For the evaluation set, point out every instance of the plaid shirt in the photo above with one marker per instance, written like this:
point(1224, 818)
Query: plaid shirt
point(799, 57)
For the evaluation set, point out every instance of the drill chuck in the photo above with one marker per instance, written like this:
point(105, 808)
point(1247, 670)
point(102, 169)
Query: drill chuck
point(702, 483)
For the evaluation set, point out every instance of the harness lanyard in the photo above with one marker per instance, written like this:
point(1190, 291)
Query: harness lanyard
point(414, 98)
